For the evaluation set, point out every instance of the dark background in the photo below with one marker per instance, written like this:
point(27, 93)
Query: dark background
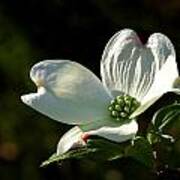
point(34, 30)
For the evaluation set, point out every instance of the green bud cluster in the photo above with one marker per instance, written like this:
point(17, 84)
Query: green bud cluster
point(122, 107)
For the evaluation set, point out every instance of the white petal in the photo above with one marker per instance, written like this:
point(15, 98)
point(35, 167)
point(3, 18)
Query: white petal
point(144, 106)
point(166, 70)
point(148, 101)
point(137, 70)
point(127, 65)
point(70, 140)
point(175, 90)
point(117, 134)
point(68, 92)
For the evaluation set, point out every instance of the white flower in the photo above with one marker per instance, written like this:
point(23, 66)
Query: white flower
point(70, 93)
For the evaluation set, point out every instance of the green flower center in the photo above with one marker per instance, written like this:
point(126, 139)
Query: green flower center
point(122, 107)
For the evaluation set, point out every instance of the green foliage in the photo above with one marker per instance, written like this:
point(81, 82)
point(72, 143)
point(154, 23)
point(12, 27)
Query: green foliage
point(77, 153)
point(96, 149)
point(163, 137)
point(103, 150)
point(163, 119)
point(141, 151)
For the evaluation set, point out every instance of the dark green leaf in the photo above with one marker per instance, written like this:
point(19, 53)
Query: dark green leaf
point(141, 151)
point(76, 153)
point(164, 117)
point(107, 150)
point(96, 149)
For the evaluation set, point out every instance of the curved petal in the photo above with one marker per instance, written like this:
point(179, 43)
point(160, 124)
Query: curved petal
point(144, 106)
point(126, 65)
point(137, 70)
point(166, 76)
point(67, 92)
point(118, 134)
point(166, 66)
point(70, 140)
point(149, 101)
point(176, 90)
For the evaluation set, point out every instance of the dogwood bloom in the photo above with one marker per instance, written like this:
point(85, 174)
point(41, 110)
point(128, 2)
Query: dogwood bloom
point(133, 75)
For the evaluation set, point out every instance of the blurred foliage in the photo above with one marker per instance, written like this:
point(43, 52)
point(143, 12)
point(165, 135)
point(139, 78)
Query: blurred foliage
point(33, 30)
point(102, 150)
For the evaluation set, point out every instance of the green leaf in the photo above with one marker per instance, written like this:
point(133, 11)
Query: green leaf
point(157, 133)
point(102, 150)
point(107, 150)
point(161, 122)
point(164, 117)
point(141, 151)
point(96, 149)
point(76, 153)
